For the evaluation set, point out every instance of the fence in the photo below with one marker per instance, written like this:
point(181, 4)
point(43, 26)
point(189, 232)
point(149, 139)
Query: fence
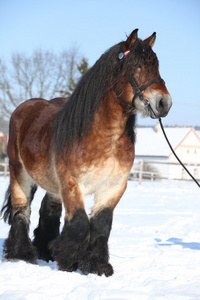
point(4, 171)
point(162, 170)
point(145, 170)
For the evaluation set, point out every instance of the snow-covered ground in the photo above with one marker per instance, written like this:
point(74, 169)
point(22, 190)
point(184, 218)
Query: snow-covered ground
point(154, 249)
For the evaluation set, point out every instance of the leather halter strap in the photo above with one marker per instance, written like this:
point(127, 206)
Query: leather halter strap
point(138, 91)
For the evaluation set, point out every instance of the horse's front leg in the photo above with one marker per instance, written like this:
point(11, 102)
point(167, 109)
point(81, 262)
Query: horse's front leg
point(97, 258)
point(69, 248)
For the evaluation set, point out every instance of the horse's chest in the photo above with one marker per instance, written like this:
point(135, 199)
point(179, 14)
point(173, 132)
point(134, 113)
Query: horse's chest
point(103, 175)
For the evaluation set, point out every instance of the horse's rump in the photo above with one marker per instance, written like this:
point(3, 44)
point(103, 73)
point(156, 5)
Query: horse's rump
point(30, 138)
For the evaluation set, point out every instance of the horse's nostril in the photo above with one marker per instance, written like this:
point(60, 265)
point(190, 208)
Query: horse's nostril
point(161, 103)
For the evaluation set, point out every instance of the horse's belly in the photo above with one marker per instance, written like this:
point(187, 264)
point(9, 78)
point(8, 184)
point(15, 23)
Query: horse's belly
point(45, 179)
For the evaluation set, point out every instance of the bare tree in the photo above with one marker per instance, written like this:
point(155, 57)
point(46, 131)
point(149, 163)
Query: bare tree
point(43, 74)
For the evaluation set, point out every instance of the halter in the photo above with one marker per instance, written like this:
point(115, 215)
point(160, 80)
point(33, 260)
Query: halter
point(133, 82)
point(138, 91)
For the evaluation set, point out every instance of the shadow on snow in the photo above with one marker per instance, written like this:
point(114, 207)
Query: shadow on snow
point(177, 241)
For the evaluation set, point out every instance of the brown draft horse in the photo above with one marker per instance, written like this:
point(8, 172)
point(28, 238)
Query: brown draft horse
point(78, 146)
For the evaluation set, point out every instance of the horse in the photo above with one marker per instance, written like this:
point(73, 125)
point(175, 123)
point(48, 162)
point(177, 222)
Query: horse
point(78, 146)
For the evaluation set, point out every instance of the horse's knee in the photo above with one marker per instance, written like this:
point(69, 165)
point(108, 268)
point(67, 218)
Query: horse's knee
point(69, 248)
point(77, 228)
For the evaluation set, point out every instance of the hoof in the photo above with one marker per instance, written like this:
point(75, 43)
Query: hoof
point(12, 252)
point(64, 258)
point(95, 267)
point(68, 267)
point(43, 252)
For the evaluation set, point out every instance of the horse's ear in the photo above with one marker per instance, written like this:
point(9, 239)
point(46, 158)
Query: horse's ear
point(151, 40)
point(130, 40)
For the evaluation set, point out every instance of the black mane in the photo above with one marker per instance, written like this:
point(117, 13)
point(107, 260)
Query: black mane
point(75, 119)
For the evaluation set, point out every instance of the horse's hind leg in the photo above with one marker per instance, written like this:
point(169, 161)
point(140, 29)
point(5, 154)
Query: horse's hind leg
point(49, 224)
point(17, 205)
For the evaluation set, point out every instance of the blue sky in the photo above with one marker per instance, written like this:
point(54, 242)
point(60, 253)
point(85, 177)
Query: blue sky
point(94, 26)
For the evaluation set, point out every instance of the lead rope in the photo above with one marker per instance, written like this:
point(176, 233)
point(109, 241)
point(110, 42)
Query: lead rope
point(170, 146)
point(180, 162)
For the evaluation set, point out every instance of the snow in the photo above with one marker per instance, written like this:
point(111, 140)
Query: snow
point(154, 249)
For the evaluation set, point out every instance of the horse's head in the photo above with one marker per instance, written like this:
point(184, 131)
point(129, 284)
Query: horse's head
point(142, 87)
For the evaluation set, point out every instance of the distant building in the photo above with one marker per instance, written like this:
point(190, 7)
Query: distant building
point(152, 147)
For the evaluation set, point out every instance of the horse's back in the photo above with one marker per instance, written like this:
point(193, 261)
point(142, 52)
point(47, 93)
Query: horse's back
point(37, 104)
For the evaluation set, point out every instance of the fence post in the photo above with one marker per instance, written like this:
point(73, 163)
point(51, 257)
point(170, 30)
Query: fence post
point(5, 167)
point(141, 171)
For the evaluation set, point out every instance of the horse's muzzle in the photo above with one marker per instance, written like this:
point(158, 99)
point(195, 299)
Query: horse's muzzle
point(159, 106)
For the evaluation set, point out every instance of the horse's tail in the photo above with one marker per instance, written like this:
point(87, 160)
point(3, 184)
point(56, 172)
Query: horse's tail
point(6, 209)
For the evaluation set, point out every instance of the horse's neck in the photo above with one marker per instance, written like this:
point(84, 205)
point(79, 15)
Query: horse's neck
point(110, 117)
